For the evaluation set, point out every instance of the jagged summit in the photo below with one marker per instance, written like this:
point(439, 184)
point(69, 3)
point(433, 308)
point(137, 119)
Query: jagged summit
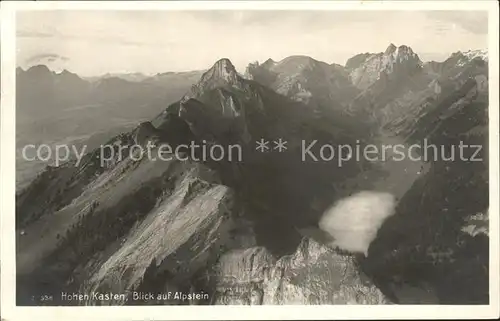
point(390, 49)
point(225, 64)
point(394, 61)
point(405, 48)
point(462, 58)
point(472, 52)
point(479, 53)
point(223, 73)
point(402, 52)
point(269, 62)
point(222, 69)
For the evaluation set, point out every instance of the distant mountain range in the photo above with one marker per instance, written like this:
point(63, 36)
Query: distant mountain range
point(62, 107)
point(235, 230)
point(133, 77)
point(45, 89)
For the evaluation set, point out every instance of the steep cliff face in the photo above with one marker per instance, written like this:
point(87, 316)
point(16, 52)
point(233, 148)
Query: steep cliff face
point(313, 274)
point(401, 95)
point(438, 240)
point(395, 62)
point(181, 234)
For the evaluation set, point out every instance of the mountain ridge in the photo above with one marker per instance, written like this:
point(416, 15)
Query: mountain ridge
point(190, 224)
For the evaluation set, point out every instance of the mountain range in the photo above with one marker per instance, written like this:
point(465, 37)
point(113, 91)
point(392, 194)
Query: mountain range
point(63, 108)
point(246, 232)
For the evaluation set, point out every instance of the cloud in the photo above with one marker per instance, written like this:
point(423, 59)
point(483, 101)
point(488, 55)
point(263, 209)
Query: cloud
point(472, 21)
point(99, 42)
point(45, 56)
point(118, 40)
point(85, 26)
point(310, 19)
point(353, 222)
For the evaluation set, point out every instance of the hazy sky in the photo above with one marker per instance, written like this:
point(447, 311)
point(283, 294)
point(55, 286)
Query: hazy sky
point(97, 42)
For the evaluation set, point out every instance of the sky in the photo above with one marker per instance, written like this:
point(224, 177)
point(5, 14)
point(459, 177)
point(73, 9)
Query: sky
point(93, 43)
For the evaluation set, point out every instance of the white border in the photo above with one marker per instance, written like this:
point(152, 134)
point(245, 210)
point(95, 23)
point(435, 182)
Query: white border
point(7, 178)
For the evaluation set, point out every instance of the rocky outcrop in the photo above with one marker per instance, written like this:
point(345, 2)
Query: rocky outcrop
point(438, 240)
point(221, 74)
point(181, 233)
point(393, 63)
point(395, 101)
point(314, 274)
point(301, 78)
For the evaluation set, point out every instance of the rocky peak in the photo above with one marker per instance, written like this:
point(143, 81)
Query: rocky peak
point(394, 62)
point(390, 49)
point(469, 55)
point(222, 69)
point(357, 60)
point(66, 72)
point(406, 51)
point(400, 54)
point(299, 62)
point(481, 53)
point(39, 70)
point(66, 75)
point(223, 73)
point(269, 62)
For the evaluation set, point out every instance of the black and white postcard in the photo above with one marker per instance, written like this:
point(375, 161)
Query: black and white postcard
point(184, 160)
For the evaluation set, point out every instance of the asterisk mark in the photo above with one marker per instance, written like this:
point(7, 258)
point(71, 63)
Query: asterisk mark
point(280, 145)
point(262, 145)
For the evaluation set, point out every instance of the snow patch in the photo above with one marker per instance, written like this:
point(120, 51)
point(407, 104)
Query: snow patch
point(471, 54)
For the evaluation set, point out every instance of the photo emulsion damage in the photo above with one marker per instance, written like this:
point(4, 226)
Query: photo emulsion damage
point(239, 157)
